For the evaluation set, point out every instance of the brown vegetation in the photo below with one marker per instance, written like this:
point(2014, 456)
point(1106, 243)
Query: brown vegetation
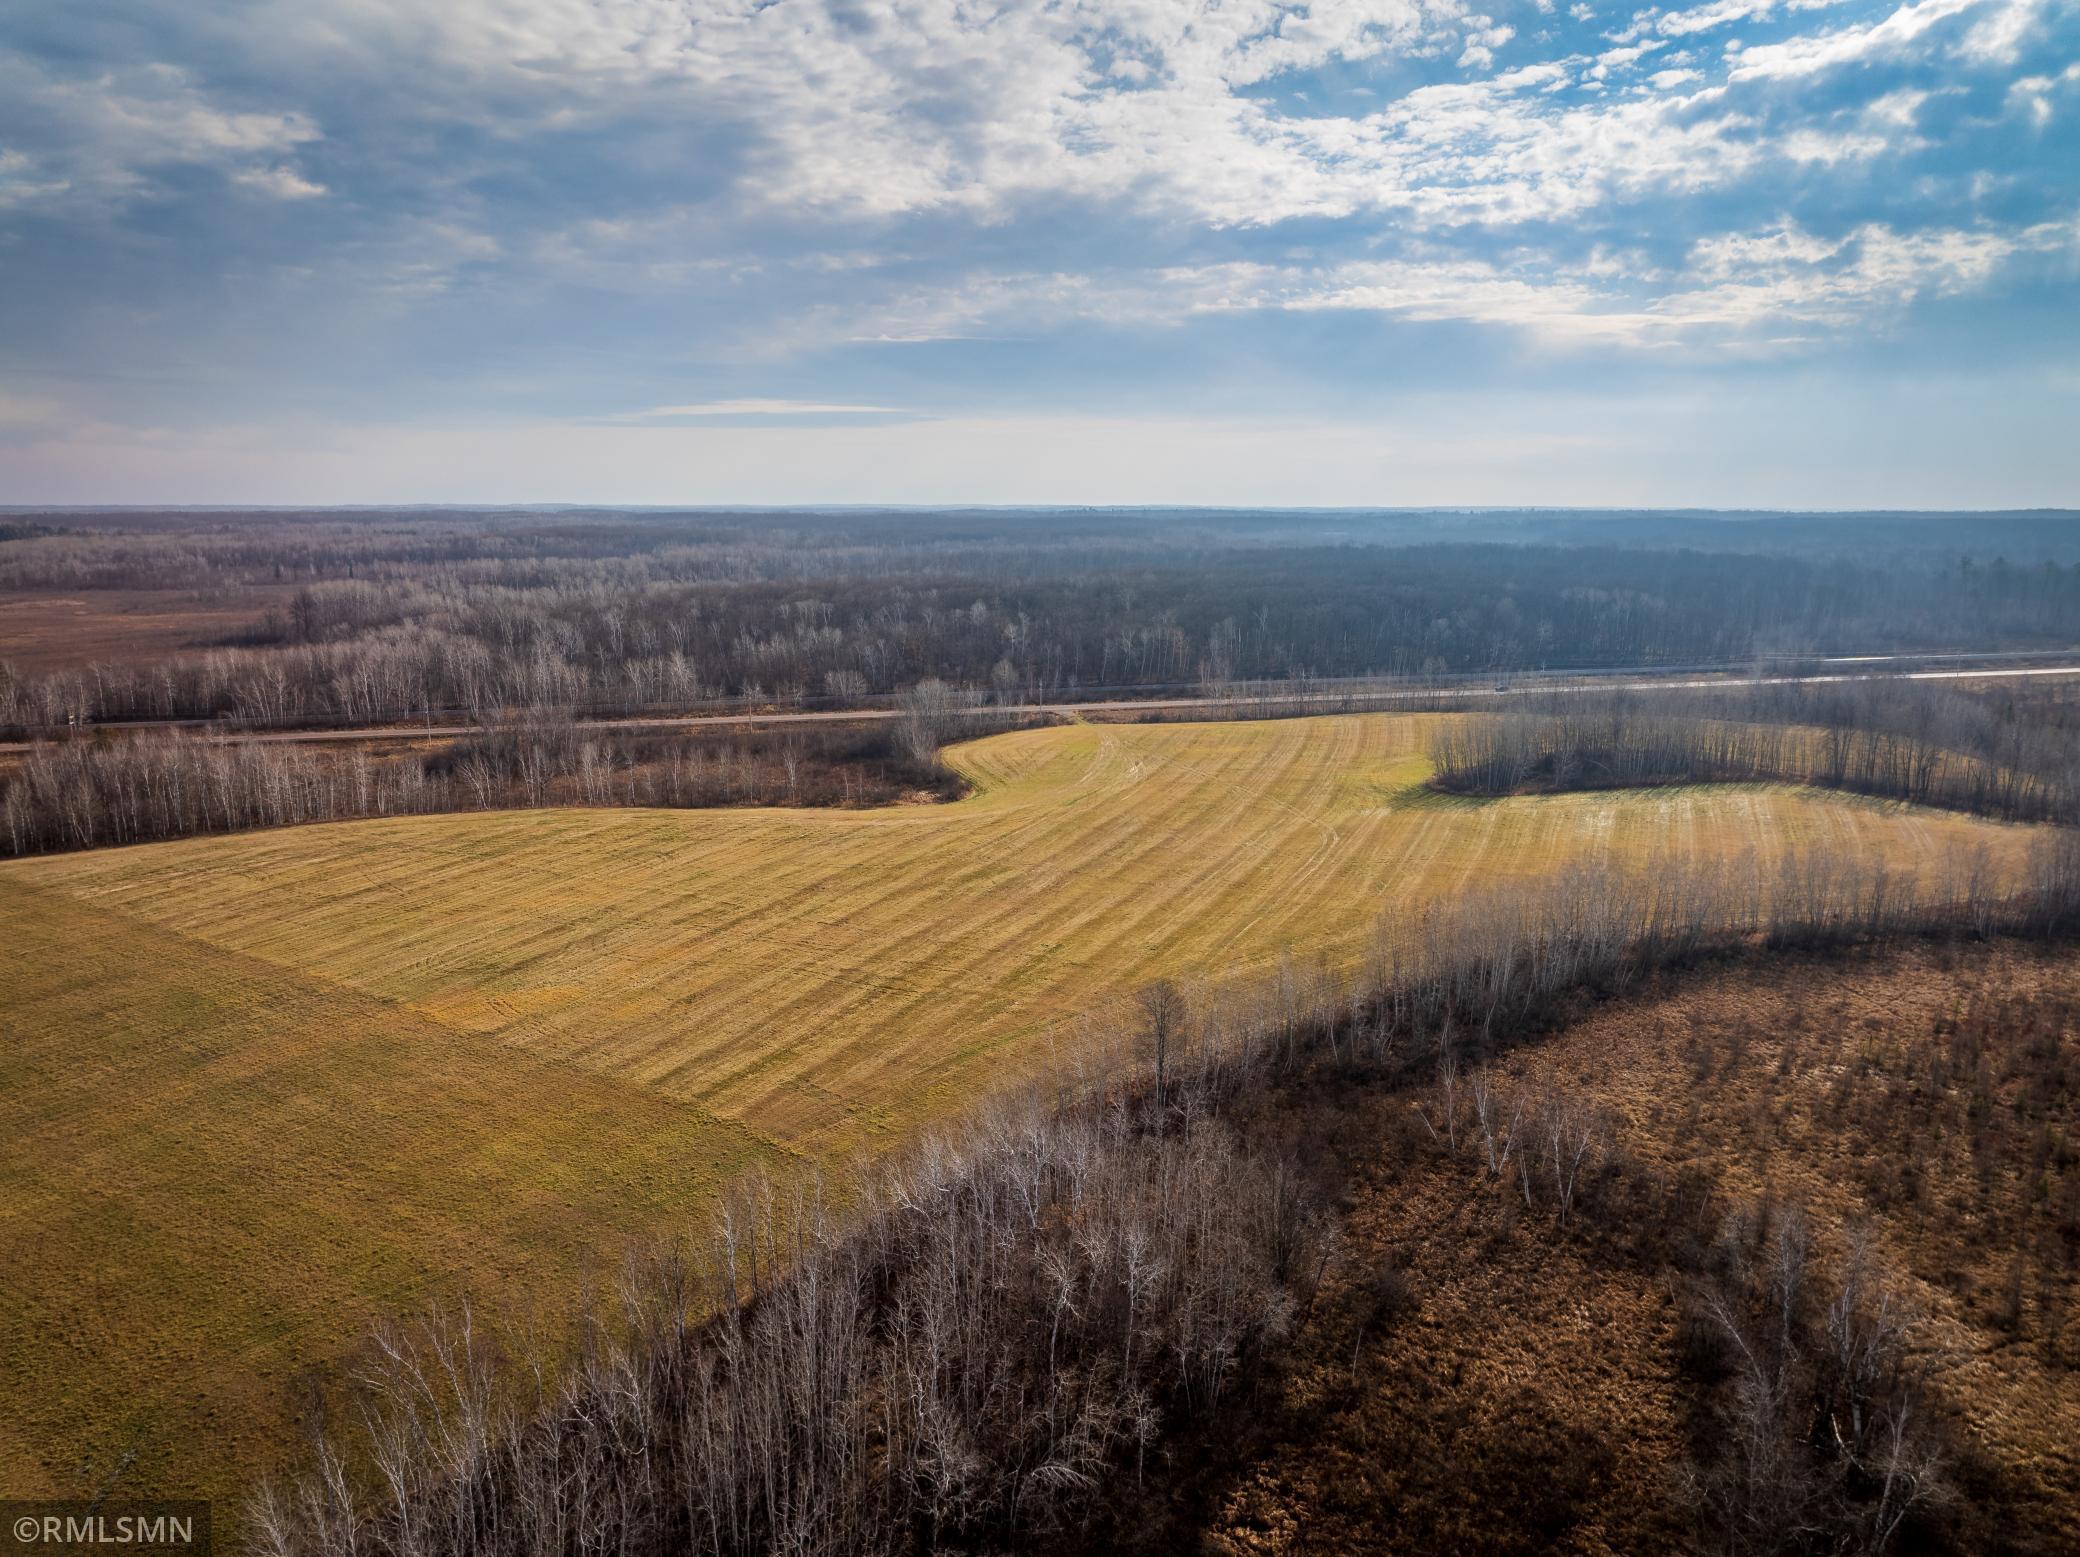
point(48, 633)
point(1815, 1289)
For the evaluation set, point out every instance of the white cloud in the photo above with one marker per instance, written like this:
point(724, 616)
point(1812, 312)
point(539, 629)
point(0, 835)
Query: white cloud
point(163, 115)
point(2031, 94)
point(21, 182)
point(1791, 279)
point(1717, 13)
point(1483, 38)
point(1736, 292)
point(1616, 59)
point(768, 408)
point(110, 134)
point(785, 140)
point(1808, 56)
point(923, 105)
point(282, 182)
point(1996, 38)
point(913, 106)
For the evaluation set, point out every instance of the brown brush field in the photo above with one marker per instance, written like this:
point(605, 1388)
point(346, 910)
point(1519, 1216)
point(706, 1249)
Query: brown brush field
point(257, 1091)
point(46, 632)
point(1481, 1378)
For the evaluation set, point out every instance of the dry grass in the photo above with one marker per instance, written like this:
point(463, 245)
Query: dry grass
point(47, 632)
point(215, 1172)
point(1525, 1389)
point(1515, 1394)
point(1848, 1090)
point(258, 1089)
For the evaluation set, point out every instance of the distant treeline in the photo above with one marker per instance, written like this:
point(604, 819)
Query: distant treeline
point(111, 789)
point(393, 616)
point(1005, 1328)
point(87, 794)
point(1999, 757)
point(1996, 753)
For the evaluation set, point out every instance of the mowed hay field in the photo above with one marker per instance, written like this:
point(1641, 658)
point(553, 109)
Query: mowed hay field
point(257, 1091)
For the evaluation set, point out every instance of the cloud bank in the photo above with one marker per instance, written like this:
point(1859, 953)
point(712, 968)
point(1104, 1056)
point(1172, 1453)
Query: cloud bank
point(360, 213)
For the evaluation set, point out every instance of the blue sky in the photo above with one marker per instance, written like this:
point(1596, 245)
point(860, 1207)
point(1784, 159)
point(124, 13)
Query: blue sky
point(1778, 252)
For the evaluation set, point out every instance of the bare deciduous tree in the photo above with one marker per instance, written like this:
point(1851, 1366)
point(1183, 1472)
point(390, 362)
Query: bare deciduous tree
point(1163, 1012)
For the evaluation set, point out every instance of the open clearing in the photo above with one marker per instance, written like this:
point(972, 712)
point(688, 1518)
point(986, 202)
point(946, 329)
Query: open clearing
point(44, 632)
point(255, 1091)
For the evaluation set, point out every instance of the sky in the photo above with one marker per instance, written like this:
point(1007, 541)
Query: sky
point(1791, 253)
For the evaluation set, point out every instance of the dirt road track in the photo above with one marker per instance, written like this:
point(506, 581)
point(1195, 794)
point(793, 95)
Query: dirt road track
point(1353, 700)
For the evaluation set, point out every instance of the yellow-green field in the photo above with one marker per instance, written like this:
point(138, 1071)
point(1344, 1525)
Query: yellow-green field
point(257, 1091)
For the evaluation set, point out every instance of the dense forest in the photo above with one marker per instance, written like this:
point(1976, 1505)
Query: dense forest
point(358, 618)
